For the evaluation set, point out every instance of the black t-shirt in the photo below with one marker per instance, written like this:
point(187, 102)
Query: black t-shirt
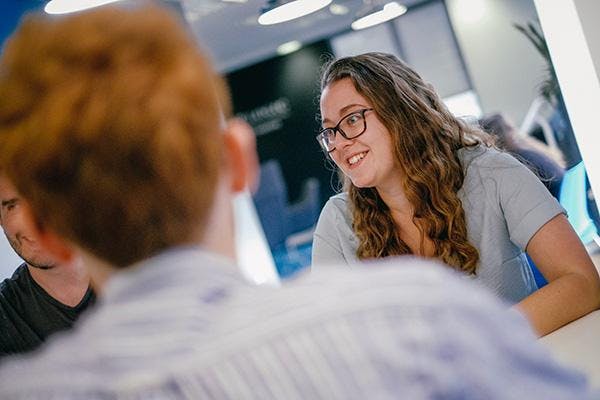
point(28, 315)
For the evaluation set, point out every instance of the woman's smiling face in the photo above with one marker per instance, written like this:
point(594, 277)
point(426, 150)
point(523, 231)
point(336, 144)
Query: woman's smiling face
point(368, 159)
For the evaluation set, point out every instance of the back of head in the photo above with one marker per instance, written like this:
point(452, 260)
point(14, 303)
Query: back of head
point(110, 126)
point(497, 125)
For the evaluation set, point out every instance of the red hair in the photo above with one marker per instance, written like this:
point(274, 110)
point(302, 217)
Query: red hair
point(110, 127)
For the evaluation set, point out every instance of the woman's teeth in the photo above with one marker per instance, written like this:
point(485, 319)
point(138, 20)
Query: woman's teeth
point(356, 158)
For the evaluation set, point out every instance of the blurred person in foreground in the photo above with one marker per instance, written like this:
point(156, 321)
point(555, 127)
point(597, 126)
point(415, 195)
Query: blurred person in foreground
point(44, 295)
point(119, 143)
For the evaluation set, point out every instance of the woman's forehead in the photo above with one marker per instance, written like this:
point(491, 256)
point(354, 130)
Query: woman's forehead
point(340, 98)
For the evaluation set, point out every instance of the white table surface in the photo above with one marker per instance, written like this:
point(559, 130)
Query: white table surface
point(578, 345)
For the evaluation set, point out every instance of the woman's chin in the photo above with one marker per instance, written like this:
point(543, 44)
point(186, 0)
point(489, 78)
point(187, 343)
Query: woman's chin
point(360, 184)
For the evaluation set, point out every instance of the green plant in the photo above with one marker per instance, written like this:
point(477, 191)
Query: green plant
point(549, 88)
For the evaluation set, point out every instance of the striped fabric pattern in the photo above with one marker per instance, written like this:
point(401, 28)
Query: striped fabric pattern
point(184, 325)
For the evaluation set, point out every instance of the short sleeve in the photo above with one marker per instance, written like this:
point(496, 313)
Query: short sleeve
point(525, 201)
point(327, 248)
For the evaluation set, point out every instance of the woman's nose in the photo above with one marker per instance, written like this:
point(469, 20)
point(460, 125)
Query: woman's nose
point(341, 141)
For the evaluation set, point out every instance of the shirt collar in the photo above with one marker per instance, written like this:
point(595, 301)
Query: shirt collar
point(181, 265)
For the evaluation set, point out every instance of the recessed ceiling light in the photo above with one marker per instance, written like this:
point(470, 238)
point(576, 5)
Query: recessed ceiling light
point(288, 47)
point(67, 6)
point(338, 9)
point(280, 11)
point(376, 16)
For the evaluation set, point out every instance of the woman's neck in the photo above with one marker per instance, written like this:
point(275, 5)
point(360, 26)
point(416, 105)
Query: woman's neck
point(395, 199)
point(402, 212)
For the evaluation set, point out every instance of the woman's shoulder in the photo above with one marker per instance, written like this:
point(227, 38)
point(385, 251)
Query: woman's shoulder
point(487, 160)
point(488, 171)
point(335, 215)
point(340, 198)
point(337, 203)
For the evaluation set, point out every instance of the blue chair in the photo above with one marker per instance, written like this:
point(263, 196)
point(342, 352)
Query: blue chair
point(279, 218)
point(573, 197)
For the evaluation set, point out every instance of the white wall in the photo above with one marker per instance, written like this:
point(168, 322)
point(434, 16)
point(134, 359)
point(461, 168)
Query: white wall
point(588, 12)
point(503, 65)
point(9, 260)
point(573, 37)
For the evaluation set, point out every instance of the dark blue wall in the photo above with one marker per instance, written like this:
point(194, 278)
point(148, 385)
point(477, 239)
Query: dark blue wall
point(279, 97)
point(11, 12)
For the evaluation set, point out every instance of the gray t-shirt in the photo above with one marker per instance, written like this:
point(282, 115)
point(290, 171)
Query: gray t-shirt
point(505, 205)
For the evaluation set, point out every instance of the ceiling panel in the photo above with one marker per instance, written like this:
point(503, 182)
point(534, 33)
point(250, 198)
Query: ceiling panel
point(232, 35)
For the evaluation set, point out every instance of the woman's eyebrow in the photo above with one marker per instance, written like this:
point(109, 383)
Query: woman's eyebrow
point(343, 111)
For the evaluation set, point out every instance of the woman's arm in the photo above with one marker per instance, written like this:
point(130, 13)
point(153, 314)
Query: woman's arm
point(573, 288)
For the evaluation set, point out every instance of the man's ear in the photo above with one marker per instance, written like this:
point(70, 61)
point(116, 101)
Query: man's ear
point(240, 143)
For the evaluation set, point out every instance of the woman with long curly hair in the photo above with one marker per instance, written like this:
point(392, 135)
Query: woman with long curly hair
point(419, 181)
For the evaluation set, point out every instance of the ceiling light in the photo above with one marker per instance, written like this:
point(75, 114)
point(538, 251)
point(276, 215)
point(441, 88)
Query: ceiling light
point(376, 16)
point(67, 6)
point(338, 9)
point(288, 47)
point(278, 11)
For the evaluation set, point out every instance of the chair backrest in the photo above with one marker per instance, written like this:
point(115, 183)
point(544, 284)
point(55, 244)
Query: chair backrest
point(573, 197)
point(279, 218)
point(303, 214)
point(271, 203)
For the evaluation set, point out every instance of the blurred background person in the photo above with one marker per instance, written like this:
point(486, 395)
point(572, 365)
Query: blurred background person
point(44, 295)
point(532, 152)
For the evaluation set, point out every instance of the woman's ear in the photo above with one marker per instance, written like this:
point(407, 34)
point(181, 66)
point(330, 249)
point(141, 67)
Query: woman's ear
point(240, 143)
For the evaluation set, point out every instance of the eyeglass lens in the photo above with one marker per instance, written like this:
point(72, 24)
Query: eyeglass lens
point(349, 127)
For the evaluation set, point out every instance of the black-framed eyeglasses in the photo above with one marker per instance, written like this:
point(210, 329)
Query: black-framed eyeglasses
point(350, 127)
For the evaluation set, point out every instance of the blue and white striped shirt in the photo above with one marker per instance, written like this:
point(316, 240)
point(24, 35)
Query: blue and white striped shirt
point(184, 325)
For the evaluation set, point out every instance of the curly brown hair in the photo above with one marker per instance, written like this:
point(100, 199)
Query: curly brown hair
point(426, 138)
point(110, 126)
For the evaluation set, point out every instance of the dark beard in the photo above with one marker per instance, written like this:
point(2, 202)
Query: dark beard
point(43, 267)
point(15, 243)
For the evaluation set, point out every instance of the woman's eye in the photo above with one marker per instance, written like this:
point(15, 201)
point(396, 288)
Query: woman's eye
point(353, 119)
